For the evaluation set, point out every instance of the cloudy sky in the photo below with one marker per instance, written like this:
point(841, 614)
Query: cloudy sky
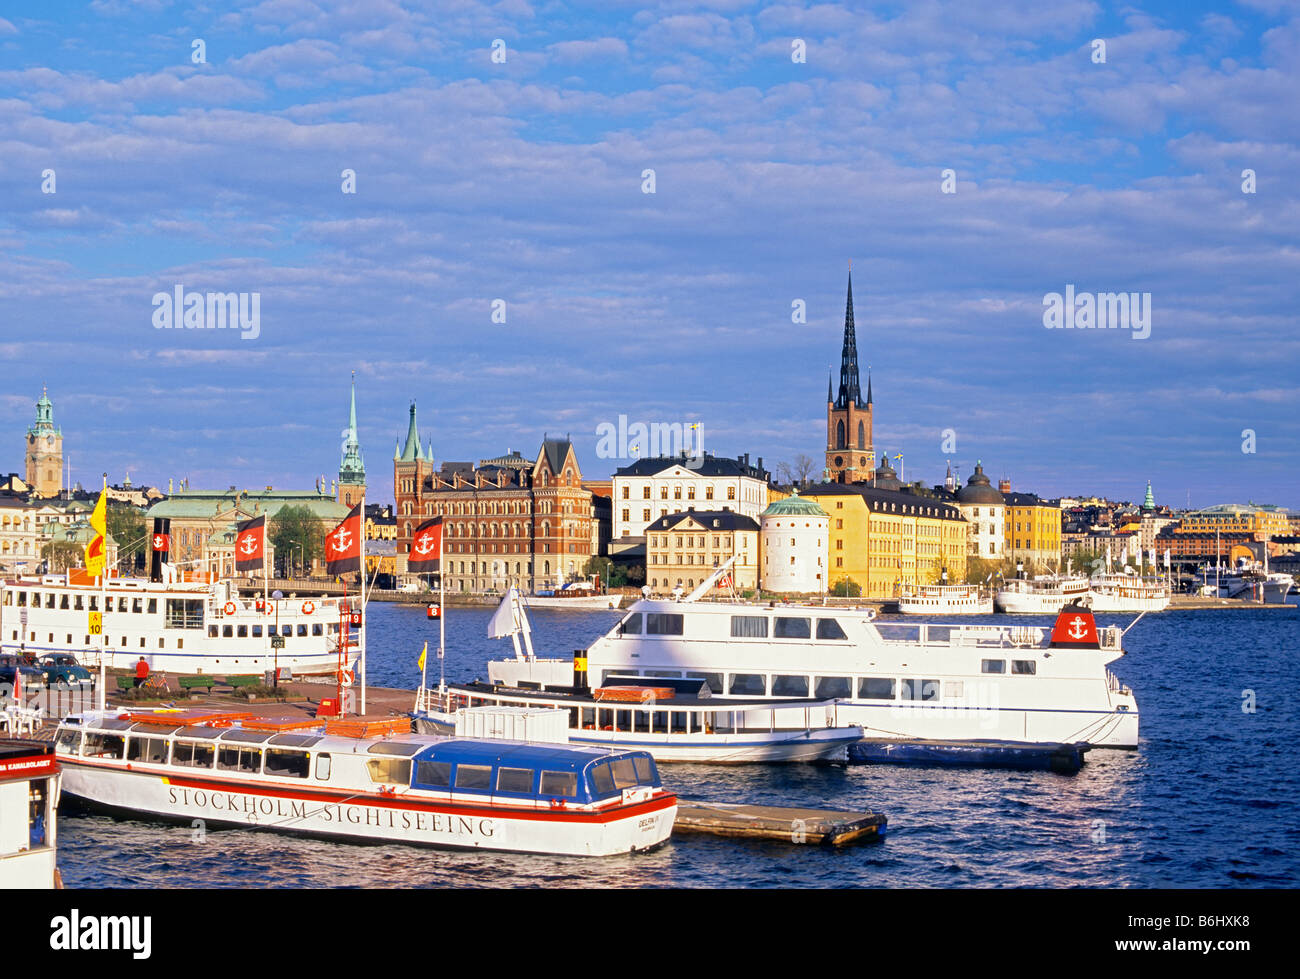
point(500, 153)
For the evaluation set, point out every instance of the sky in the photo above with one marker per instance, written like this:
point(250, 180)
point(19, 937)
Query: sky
point(453, 201)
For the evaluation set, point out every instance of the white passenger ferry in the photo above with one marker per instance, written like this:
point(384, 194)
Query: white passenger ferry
point(458, 793)
point(1127, 593)
point(1040, 595)
point(29, 794)
point(180, 626)
point(946, 600)
point(898, 681)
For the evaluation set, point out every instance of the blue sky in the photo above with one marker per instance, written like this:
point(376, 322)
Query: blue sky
point(522, 181)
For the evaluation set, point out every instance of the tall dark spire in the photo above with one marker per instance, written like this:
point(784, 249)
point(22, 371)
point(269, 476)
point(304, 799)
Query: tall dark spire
point(868, 385)
point(850, 388)
point(829, 396)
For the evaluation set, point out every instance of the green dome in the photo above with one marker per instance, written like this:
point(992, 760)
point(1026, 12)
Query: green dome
point(794, 506)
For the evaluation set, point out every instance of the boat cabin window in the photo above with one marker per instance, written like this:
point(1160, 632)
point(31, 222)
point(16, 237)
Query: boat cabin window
point(137, 605)
point(631, 626)
point(389, 771)
point(473, 776)
point(98, 745)
point(239, 758)
point(515, 780)
point(257, 631)
point(77, 604)
point(402, 748)
point(184, 613)
point(993, 666)
point(789, 686)
point(1024, 667)
point(622, 773)
point(153, 606)
point(714, 680)
point(602, 780)
point(663, 624)
point(876, 688)
point(68, 742)
point(788, 627)
point(748, 684)
point(63, 601)
point(433, 774)
point(150, 750)
point(212, 632)
point(290, 764)
point(193, 754)
point(302, 628)
point(830, 629)
point(563, 784)
point(242, 631)
point(749, 626)
point(323, 767)
point(832, 687)
point(227, 631)
point(919, 689)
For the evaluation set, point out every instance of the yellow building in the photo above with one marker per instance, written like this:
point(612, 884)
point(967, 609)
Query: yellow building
point(1255, 520)
point(685, 548)
point(885, 540)
point(1033, 531)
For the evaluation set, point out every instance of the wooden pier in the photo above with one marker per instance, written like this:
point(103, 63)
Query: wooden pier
point(820, 827)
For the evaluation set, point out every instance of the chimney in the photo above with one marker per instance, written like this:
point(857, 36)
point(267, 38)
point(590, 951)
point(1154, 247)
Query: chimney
point(158, 554)
point(1004, 485)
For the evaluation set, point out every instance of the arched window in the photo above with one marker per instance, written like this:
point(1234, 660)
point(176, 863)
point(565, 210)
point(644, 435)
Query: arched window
point(862, 435)
point(839, 435)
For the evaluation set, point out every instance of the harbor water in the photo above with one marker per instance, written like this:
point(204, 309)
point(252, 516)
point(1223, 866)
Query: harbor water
point(1206, 801)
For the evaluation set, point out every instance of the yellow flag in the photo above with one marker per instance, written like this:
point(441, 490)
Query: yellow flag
point(423, 653)
point(95, 548)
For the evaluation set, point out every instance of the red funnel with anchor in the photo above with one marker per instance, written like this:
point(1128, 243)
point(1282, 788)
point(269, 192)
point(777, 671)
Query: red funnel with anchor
point(1075, 629)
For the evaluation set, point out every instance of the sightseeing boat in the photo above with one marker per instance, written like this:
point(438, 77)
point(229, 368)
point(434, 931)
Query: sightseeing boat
point(1248, 581)
point(676, 719)
point(459, 793)
point(1127, 593)
point(576, 595)
point(29, 794)
point(946, 600)
point(931, 682)
point(1041, 594)
point(196, 626)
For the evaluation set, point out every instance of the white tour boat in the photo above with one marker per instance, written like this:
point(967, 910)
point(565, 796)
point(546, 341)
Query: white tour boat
point(675, 719)
point(29, 794)
point(942, 683)
point(576, 595)
point(1127, 592)
point(461, 793)
point(946, 600)
point(1248, 581)
point(178, 626)
point(1041, 594)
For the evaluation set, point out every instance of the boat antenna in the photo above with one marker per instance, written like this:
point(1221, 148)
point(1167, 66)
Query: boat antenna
point(1132, 624)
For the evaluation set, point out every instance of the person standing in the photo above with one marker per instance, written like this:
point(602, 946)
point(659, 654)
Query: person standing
point(141, 672)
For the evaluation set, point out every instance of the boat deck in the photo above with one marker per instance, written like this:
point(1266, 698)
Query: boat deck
point(822, 827)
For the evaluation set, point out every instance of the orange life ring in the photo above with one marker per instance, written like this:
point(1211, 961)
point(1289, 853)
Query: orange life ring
point(348, 677)
point(230, 608)
point(308, 607)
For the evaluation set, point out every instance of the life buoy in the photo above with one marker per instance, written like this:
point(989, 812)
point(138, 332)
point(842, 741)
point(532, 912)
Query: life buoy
point(348, 677)
point(261, 605)
point(230, 608)
point(308, 607)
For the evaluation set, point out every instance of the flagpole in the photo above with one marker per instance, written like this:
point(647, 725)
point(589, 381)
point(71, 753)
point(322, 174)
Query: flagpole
point(266, 597)
point(362, 531)
point(442, 620)
point(103, 601)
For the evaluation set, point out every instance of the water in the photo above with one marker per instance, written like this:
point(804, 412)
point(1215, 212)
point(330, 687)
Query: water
point(1206, 801)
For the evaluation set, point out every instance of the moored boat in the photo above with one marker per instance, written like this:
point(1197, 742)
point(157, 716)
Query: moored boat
point(460, 793)
point(576, 595)
point(29, 794)
point(1114, 592)
point(1041, 594)
point(946, 600)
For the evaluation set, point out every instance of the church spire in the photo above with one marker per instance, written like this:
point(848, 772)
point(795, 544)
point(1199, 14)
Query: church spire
point(850, 386)
point(352, 470)
point(412, 451)
point(868, 385)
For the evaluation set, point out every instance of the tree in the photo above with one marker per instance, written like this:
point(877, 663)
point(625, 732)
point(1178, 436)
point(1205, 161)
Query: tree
point(846, 588)
point(60, 555)
point(126, 525)
point(798, 470)
point(297, 536)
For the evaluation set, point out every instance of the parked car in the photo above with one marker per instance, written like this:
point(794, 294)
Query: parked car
point(63, 672)
point(33, 677)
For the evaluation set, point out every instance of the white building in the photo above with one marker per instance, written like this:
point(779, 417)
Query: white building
point(653, 488)
point(984, 509)
point(796, 550)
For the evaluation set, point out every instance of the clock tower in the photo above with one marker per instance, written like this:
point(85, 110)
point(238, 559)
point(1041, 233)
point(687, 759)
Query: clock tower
point(850, 451)
point(45, 451)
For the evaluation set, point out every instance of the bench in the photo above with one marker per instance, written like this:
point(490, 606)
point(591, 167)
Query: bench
point(243, 681)
point(126, 683)
point(198, 680)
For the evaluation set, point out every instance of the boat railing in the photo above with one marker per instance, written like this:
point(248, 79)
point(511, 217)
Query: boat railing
point(986, 636)
point(431, 699)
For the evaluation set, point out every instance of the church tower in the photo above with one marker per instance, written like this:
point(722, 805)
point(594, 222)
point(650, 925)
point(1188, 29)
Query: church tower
point(352, 470)
point(411, 466)
point(849, 449)
point(45, 451)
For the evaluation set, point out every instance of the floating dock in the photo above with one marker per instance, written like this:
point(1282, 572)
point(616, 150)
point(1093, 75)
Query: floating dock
point(1058, 757)
point(820, 827)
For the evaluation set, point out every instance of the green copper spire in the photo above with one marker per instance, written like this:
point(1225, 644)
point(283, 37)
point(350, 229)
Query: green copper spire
point(352, 470)
point(1150, 502)
point(412, 450)
point(44, 417)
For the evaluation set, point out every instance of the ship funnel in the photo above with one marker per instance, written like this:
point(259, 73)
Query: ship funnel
point(159, 547)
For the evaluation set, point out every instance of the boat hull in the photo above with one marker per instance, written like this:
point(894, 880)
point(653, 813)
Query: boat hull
point(1115, 726)
point(585, 604)
point(371, 817)
point(1062, 758)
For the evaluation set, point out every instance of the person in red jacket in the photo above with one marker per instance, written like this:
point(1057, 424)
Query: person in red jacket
point(141, 672)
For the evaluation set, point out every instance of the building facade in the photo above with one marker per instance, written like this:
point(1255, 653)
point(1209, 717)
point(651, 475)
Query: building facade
point(849, 440)
point(985, 510)
point(1032, 534)
point(795, 546)
point(44, 451)
point(885, 540)
point(683, 549)
point(657, 487)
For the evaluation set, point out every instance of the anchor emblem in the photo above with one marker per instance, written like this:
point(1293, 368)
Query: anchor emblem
point(1078, 630)
point(424, 545)
point(248, 544)
point(158, 542)
point(341, 540)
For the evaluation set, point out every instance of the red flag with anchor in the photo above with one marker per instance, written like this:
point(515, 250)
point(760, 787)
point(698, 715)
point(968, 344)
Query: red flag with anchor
point(250, 544)
point(343, 545)
point(162, 542)
point(426, 548)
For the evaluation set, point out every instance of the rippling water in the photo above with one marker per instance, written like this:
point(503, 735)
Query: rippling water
point(1208, 800)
